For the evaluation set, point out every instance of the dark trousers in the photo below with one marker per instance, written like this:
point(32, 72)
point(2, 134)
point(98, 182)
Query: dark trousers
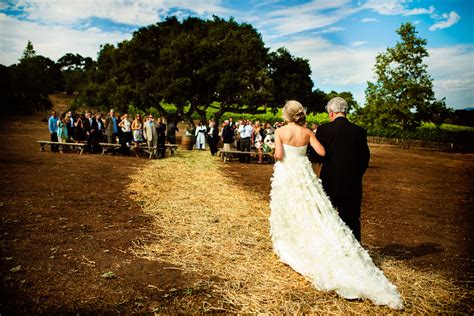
point(125, 137)
point(161, 146)
point(349, 212)
point(213, 145)
point(54, 138)
point(244, 146)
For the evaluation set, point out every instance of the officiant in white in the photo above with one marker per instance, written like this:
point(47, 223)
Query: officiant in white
point(200, 136)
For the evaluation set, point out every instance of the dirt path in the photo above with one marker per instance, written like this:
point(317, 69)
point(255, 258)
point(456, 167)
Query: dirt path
point(66, 220)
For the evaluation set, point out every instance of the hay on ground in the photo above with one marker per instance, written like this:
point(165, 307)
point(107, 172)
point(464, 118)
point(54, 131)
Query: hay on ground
point(208, 225)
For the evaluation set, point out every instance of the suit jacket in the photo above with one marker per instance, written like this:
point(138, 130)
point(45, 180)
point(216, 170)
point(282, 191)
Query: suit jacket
point(88, 127)
point(149, 132)
point(347, 158)
point(109, 126)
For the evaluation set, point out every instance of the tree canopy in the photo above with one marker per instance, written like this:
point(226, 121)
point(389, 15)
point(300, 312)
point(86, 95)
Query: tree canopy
point(28, 83)
point(402, 95)
point(196, 64)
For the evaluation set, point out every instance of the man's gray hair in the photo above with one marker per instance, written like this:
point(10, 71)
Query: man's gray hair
point(337, 105)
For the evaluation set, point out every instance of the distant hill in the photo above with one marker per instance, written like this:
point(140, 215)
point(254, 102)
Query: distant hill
point(468, 109)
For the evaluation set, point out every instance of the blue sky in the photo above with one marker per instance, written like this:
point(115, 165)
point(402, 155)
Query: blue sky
point(340, 38)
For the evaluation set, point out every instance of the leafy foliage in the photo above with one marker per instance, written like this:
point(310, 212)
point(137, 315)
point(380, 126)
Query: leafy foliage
point(28, 83)
point(402, 96)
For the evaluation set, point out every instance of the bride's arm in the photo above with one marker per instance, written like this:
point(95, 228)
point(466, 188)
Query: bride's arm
point(278, 154)
point(316, 145)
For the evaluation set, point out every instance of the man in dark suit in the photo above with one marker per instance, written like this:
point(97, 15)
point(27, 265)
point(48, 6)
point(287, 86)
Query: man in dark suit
point(347, 158)
point(90, 130)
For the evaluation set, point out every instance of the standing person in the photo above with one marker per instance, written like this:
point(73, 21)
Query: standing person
point(306, 231)
point(137, 132)
point(213, 135)
point(62, 134)
point(126, 135)
point(314, 128)
point(227, 135)
point(236, 129)
point(161, 133)
point(111, 127)
point(100, 128)
point(245, 131)
point(90, 129)
point(171, 132)
point(70, 125)
point(150, 134)
point(258, 141)
point(79, 126)
point(53, 130)
point(137, 129)
point(200, 134)
point(347, 158)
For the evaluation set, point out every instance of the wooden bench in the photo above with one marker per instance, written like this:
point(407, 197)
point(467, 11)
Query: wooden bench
point(78, 146)
point(228, 154)
point(108, 146)
point(150, 150)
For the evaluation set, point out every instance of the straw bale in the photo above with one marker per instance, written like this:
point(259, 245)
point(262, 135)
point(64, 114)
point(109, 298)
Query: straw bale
point(207, 225)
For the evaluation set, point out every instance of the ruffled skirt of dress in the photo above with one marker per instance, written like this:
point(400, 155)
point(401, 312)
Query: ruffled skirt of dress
point(310, 237)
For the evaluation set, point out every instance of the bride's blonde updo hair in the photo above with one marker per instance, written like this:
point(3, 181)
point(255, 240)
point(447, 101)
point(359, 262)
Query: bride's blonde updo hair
point(294, 112)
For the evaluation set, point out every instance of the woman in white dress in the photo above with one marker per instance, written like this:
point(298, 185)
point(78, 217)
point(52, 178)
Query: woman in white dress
point(307, 232)
point(200, 136)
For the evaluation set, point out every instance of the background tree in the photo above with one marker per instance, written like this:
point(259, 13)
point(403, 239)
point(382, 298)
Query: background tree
point(402, 95)
point(30, 82)
point(74, 67)
point(192, 64)
point(290, 79)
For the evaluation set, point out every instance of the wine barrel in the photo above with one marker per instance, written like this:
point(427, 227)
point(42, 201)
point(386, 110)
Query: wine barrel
point(187, 142)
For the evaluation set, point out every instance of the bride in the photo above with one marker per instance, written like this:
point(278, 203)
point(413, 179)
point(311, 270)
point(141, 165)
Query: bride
point(307, 232)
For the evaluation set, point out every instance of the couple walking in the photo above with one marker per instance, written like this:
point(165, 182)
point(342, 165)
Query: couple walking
point(315, 227)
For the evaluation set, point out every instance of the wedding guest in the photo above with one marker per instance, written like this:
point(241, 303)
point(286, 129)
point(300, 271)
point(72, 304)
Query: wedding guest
point(245, 131)
point(227, 135)
point(137, 129)
point(53, 130)
point(126, 135)
point(314, 128)
point(171, 132)
point(79, 127)
point(99, 137)
point(150, 134)
point(161, 133)
point(236, 135)
point(200, 136)
point(70, 125)
point(213, 135)
point(90, 128)
point(231, 122)
point(258, 140)
point(111, 127)
point(62, 134)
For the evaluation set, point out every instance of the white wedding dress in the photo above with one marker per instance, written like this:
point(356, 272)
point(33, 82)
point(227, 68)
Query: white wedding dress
point(310, 237)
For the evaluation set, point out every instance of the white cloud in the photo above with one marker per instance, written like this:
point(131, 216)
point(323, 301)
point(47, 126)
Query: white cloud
point(450, 20)
point(368, 20)
point(50, 41)
point(297, 21)
point(357, 43)
point(138, 12)
point(418, 11)
point(315, 5)
point(335, 65)
point(395, 7)
point(452, 69)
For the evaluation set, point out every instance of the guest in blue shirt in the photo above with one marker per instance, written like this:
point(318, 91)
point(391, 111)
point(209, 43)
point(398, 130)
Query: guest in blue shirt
point(53, 130)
